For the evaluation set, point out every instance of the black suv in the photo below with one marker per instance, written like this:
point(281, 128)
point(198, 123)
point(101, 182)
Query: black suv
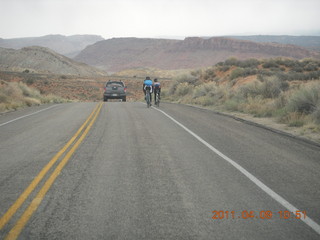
point(115, 90)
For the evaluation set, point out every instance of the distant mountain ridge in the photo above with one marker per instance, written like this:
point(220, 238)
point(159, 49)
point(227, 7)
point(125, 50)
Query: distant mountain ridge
point(309, 42)
point(43, 60)
point(124, 53)
point(69, 46)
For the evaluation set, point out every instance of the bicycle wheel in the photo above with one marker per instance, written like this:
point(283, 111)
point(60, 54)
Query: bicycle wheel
point(157, 100)
point(148, 99)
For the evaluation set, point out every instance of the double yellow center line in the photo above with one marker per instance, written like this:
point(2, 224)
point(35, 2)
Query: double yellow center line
point(18, 227)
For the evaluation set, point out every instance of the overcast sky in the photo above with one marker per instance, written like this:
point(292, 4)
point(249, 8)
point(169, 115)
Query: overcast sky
point(158, 18)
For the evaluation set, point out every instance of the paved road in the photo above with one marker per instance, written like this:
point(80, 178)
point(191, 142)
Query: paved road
point(137, 174)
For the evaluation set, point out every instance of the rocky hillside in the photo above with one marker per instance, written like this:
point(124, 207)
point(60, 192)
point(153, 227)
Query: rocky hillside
point(66, 45)
point(124, 53)
point(43, 60)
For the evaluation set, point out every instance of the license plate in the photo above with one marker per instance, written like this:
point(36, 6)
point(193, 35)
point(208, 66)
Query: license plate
point(114, 94)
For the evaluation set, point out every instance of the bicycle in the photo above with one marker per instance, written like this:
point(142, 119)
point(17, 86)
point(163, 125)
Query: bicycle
point(157, 100)
point(148, 99)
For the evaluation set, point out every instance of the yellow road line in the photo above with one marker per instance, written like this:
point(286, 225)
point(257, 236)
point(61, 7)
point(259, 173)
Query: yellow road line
point(13, 209)
point(16, 230)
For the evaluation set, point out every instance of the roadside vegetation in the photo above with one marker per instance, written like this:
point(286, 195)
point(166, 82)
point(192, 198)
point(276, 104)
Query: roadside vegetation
point(284, 89)
point(14, 95)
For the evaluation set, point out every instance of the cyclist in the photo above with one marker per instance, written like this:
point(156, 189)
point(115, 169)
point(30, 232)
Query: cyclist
point(147, 86)
point(156, 89)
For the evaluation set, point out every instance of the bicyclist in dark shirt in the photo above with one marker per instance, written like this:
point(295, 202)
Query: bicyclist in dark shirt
point(156, 89)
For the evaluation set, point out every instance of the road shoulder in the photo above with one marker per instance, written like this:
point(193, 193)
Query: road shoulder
point(304, 135)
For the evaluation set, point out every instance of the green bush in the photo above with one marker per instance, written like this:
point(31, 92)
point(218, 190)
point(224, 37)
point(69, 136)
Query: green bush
point(224, 68)
point(269, 88)
point(195, 73)
point(316, 115)
point(183, 89)
point(189, 78)
point(231, 105)
point(232, 62)
point(3, 98)
point(209, 74)
point(173, 87)
point(238, 72)
point(306, 100)
point(249, 63)
point(270, 64)
point(204, 89)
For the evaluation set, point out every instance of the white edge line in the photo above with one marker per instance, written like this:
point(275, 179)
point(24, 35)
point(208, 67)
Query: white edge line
point(13, 120)
point(315, 226)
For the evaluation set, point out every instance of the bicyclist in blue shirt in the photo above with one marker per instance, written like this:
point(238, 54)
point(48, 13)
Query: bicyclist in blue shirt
point(147, 86)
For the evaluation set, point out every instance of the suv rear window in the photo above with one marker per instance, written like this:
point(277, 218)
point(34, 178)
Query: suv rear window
point(115, 83)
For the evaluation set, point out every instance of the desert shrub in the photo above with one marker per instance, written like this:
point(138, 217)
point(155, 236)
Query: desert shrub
point(316, 115)
point(270, 64)
point(297, 68)
point(186, 78)
point(288, 62)
point(27, 91)
point(183, 89)
point(3, 98)
point(209, 74)
point(313, 75)
point(238, 72)
point(281, 101)
point(32, 101)
point(257, 106)
point(232, 62)
point(14, 95)
point(195, 73)
point(249, 63)
point(291, 76)
point(224, 68)
point(173, 87)
point(204, 101)
point(242, 72)
point(306, 100)
point(29, 80)
point(11, 90)
point(231, 104)
point(264, 72)
point(50, 98)
point(294, 119)
point(269, 88)
point(204, 89)
point(164, 92)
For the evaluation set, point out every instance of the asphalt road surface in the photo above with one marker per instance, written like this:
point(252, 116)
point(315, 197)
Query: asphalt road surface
point(122, 171)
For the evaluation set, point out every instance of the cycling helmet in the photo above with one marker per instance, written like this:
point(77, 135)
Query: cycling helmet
point(148, 78)
point(155, 80)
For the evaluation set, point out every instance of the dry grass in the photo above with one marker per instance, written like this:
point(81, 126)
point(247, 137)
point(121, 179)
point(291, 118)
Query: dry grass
point(14, 95)
point(295, 103)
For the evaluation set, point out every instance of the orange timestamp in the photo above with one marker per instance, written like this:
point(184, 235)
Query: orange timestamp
point(249, 214)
